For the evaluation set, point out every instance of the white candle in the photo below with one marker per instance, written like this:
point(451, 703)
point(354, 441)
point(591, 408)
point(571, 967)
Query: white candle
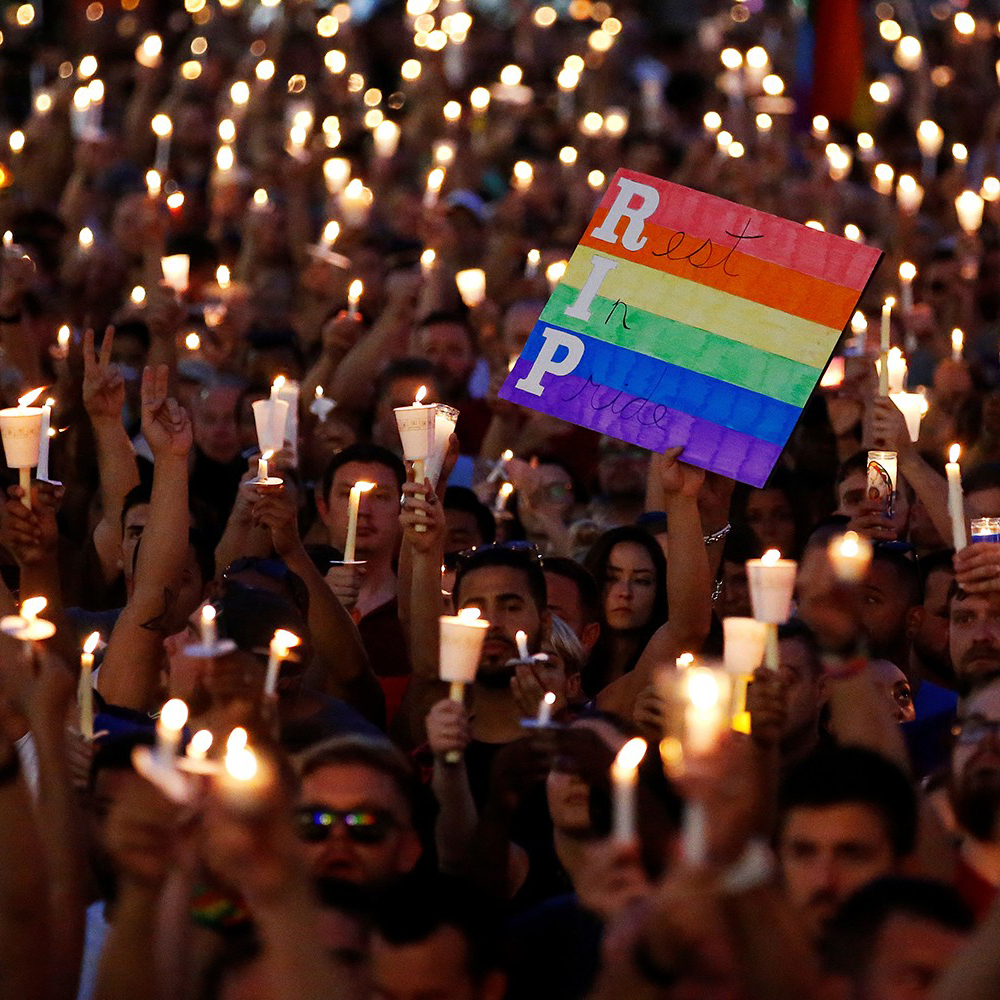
point(435, 179)
point(503, 495)
point(416, 425)
point(907, 272)
point(282, 642)
point(624, 781)
point(850, 554)
point(957, 344)
point(44, 436)
point(352, 517)
point(471, 286)
point(909, 194)
point(522, 645)
point(176, 270)
point(427, 259)
point(913, 405)
point(883, 375)
point(199, 745)
point(545, 709)
point(163, 128)
point(336, 173)
point(242, 781)
point(321, 406)
point(969, 209)
point(287, 391)
point(85, 691)
point(897, 370)
point(704, 714)
point(262, 469)
point(499, 470)
point(20, 428)
point(208, 628)
point(385, 138)
point(956, 509)
point(354, 293)
point(531, 267)
point(169, 726)
point(743, 644)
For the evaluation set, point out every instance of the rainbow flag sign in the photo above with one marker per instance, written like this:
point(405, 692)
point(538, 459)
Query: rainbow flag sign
point(685, 319)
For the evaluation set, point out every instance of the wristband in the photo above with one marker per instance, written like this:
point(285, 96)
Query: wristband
point(754, 868)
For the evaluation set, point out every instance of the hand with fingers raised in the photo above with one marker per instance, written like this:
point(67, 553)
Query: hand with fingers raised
point(165, 423)
point(103, 385)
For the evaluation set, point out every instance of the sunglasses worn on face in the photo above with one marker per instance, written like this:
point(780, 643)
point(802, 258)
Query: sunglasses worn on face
point(363, 826)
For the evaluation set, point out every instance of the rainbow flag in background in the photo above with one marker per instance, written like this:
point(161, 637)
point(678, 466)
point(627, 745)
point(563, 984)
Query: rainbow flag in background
point(685, 319)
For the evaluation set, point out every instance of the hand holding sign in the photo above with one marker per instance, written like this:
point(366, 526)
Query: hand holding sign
point(687, 320)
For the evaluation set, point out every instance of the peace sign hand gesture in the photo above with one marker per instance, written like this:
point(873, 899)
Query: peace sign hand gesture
point(165, 422)
point(103, 385)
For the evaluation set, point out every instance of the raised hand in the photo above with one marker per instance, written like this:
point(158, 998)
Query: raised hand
point(677, 477)
point(165, 423)
point(272, 510)
point(889, 426)
point(421, 507)
point(103, 385)
point(977, 568)
point(32, 534)
point(448, 728)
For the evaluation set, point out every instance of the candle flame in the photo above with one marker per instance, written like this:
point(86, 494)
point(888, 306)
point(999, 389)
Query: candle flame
point(267, 455)
point(199, 743)
point(957, 339)
point(355, 290)
point(33, 607)
point(237, 740)
point(703, 688)
point(470, 614)
point(770, 557)
point(319, 392)
point(92, 640)
point(363, 487)
point(907, 270)
point(849, 545)
point(208, 613)
point(242, 765)
point(550, 698)
point(285, 640)
point(630, 756)
point(953, 452)
point(684, 661)
point(507, 455)
point(421, 393)
point(890, 302)
point(29, 397)
point(895, 354)
point(174, 715)
point(278, 383)
point(62, 337)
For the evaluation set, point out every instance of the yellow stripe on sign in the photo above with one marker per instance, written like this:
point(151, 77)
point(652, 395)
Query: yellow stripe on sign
point(688, 302)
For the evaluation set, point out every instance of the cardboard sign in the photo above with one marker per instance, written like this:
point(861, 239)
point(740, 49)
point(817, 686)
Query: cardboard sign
point(685, 319)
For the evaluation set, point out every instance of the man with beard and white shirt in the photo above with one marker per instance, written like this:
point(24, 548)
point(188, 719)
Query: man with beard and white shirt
point(974, 616)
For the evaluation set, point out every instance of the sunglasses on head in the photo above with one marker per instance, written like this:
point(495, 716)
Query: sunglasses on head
point(521, 546)
point(363, 826)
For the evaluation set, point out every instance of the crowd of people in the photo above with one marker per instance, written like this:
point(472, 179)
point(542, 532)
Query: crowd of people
point(365, 199)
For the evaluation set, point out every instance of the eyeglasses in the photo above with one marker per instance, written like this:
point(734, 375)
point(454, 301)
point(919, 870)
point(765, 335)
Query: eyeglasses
point(363, 826)
point(520, 546)
point(975, 729)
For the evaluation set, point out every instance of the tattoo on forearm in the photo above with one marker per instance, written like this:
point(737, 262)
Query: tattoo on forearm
point(158, 623)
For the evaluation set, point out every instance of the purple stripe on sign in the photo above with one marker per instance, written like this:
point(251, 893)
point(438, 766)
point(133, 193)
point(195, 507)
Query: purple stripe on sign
point(649, 425)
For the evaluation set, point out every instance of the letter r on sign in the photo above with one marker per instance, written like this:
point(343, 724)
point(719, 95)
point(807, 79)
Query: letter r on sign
point(545, 363)
point(621, 208)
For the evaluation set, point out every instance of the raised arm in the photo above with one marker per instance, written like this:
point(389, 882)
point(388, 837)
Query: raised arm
point(689, 585)
point(337, 643)
point(103, 399)
point(129, 675)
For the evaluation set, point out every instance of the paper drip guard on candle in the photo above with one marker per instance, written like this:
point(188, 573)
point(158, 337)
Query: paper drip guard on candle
point(263, 477)
point(445, 421)
point(461, 645)
point(772, 582)
point(20, 430)
point(158, 765)
point(210, 645)
point(882, 479)
point(27, 626)
point(913, 406)
point(416, 425)
point(270, 418)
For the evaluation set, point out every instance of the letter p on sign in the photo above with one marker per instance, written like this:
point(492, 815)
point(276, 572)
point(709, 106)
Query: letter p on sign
point(545, 363)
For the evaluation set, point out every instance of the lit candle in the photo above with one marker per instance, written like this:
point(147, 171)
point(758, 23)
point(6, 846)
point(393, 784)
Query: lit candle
point(499, 470)
point(882, 467)
point(208, 628)
point(624, 782)
point(20, 429)
point(545, 709)
point(435, 179)
point(704, 715)
point(321, 406)
point(743, 644)
point(957, 344)
point(198, 746)
point(44, 436)
point(427, 259)
point(355, 201)
point(883, 375)
point(354, 293)
point(461, 645)
point(243, 780)
point(471, 285)
point(85, 691)
point(163, 128)
point(850, 555)
point(271, 419)
point(503, 495)
point(282, 642)
point(531, 267)
point(26, 625)
point(352, 517)
point(385, 138)
point(176, 270)
point(956, 509)
point(907, 272)
point(969, 209)
point(909, 194)
point(169, 726)
point(913, 405)
point(263, 473)
point(772, 581)
point(416, 425)
point(930, 137)
point(521, 638)
point(154, 183)
point(896, 364)
point(336, 173)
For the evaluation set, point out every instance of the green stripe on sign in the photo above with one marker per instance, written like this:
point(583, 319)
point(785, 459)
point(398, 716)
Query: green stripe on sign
point(688, 347)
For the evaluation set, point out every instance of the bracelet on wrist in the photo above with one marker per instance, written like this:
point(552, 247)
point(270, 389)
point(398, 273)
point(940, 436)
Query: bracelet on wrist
point(717, 536)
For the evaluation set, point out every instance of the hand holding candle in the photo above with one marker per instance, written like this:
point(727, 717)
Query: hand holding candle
point(281, 644)
point(27, 626)
point(20, 429)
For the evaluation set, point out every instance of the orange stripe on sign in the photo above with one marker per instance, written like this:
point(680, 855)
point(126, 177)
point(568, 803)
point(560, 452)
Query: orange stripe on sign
point(720, 266)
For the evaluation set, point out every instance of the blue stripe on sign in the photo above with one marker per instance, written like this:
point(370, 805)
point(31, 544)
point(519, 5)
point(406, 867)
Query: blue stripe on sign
point(658, 381)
